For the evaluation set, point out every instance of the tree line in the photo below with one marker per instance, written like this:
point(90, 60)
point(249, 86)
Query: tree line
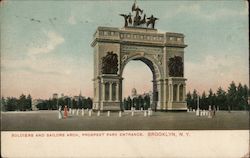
point(137, 102)
point(234, 98)
point(53, 104)
point(24, 103)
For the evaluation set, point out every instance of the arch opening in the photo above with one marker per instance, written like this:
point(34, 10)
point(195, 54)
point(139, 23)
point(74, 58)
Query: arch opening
point(143, 81)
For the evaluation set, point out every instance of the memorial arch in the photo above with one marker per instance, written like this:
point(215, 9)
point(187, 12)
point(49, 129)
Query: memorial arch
point(162, 52)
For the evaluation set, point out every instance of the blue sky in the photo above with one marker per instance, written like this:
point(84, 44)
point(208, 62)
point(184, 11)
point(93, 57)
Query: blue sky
point(45, 45)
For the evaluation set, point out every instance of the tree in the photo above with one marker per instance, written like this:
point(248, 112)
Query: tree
point(147, 102)
point(28, 104)
point(194, 99)
point(189, 99)
point(89, 103)
point(214, 101)
point(3, 104)
point(245, 96)
point(203, 101)
point(221, 99)
point(140, 103)
point(125, 104)
point(54, 104)
point(43, 105)
point(210, 98)
point(129, 103)
point(74, 104)
point(231, 96)
point(80, 104)
point(22, 102)
point(61, 102)
point(137, 102)
point(49, 104)
point(240, 98)
point(11, 104)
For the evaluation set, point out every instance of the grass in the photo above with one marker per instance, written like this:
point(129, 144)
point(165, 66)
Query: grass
point(48, 121)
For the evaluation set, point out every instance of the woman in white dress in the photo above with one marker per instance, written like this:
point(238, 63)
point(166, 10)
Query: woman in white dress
point(60, 112)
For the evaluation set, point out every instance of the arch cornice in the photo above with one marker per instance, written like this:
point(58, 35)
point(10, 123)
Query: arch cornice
point(140, 43)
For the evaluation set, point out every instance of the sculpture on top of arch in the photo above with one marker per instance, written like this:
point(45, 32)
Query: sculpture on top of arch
point(138, 21)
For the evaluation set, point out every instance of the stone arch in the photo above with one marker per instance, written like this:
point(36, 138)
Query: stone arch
point(149, 46)
point(155, 69)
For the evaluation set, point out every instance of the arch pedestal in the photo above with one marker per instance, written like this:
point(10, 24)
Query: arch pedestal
point(109, 97)
point(147, 45)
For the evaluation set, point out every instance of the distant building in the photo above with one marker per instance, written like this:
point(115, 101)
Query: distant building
point(34, 104)
point(55, 96)
point(79, 97)
point(150, 94)
point(133, 93)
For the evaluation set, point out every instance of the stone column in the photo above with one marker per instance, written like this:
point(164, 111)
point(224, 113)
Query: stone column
point(169, 93)
point(103, 91)
point(159, 95)
point(110, 91)
point(155, 89)
point(172, 92)
point(178, 93)
point(165, 99)
point(117, 92)
point(184, 92)
point(165, 91)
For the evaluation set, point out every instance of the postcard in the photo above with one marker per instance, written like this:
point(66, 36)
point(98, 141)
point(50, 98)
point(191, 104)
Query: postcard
point(125, 79)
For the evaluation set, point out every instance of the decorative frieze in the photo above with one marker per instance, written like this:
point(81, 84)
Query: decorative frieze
point(132, 49)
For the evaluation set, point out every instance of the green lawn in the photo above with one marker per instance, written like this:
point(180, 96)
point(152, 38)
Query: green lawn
point(48, 121)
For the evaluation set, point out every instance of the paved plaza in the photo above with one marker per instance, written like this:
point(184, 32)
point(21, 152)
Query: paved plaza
point(48, 121)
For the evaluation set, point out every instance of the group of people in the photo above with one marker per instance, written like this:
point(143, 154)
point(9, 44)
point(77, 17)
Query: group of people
point(64, 114)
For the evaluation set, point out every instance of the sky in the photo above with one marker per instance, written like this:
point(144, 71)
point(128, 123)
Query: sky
point(45, 45)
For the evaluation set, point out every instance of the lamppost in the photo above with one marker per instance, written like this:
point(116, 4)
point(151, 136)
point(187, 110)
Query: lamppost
point(198, 105)
point(71, 104)
point(57, 103)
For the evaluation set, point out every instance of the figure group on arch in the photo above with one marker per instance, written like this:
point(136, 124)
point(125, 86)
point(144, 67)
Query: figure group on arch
point(175, 65)
point(139, 19)
point(110, 63)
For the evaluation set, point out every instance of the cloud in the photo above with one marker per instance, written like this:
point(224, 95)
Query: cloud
point(34, 66)
point(72, 20)
point(223, 13)
point(184, 9)
point(196, 10)
point(41, 77)
point(215, 71)
point(53, 40)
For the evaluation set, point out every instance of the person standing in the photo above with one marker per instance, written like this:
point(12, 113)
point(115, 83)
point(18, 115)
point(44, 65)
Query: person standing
point(214, 110)
point(65, 111)
point(60, 112)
